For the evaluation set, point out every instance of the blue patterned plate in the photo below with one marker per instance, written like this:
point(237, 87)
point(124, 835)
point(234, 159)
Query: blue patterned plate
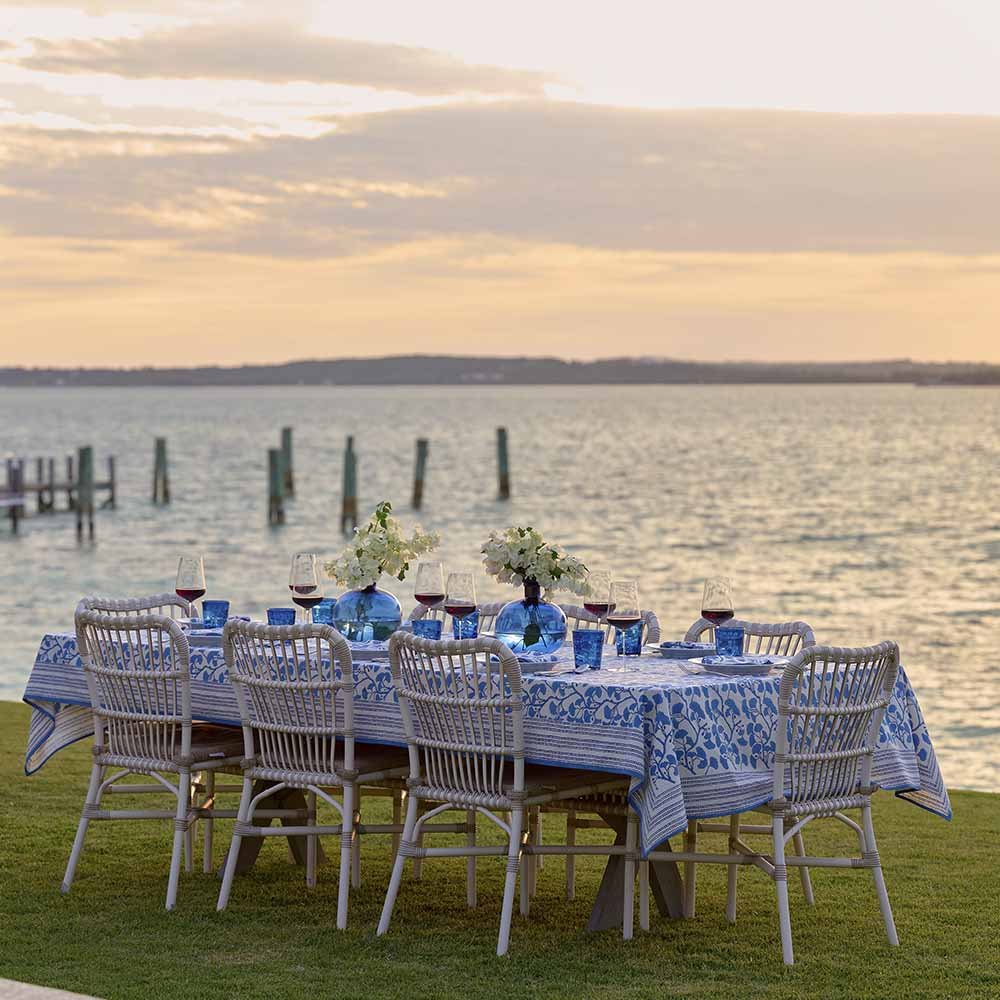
point(685, 650)
point(741, 666)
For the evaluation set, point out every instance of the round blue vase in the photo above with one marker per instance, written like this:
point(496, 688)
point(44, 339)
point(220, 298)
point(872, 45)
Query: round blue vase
point(363, 615)
point(531, 625)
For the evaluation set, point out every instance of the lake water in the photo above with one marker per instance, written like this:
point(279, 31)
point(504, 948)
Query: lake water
point(869, 511)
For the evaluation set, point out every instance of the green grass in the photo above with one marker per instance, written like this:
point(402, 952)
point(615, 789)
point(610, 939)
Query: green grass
point(111, 937)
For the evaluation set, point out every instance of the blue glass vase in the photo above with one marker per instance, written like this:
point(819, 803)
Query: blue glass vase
point(363, 615)
point(531, 625)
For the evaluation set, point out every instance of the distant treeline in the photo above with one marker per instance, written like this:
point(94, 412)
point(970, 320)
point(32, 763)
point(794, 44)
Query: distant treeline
point(450, 370)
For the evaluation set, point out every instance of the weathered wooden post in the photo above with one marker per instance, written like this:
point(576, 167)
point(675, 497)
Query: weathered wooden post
point(161, 478)
point(70, 482)
point(51, 505)
point(39, 482)
point(85, 492)
point(503, 468)
point(15, 485)
point(275, 488)
point(288, 477)
point(112, 499)
point(418, 474)
point(349, 501)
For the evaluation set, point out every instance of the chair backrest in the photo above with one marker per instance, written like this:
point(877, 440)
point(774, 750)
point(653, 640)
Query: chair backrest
point(295, 688)
point(139, 678)
point(780, 639)
point(577, 617)
point(168, 604)
point(487, 614)
point(463, 714)
point(830, 708)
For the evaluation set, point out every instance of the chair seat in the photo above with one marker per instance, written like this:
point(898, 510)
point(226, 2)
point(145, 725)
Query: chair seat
point(545, 779)
point(212, 742)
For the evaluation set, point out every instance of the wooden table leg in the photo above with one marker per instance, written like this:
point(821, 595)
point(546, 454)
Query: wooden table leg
point(287, 798)
point(665, 882)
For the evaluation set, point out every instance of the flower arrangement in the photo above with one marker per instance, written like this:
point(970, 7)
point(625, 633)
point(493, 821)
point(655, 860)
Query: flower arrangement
point(379, 547)
point(521, 555)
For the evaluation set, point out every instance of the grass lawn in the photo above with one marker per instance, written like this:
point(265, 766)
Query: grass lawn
point(112, 938)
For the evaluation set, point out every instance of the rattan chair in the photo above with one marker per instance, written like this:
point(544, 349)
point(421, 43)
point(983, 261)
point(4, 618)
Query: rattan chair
point(295, 690)
point(577, 617)
point(463, 712)
point(779, 639)
point(138, 676)
point(830, 708)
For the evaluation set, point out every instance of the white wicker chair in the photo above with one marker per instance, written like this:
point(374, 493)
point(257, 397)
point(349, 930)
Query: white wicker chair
point(463, 715)
point(295, 689)
point(779, 639)
point(830, 709)
point(155, 604)
point(138, 676)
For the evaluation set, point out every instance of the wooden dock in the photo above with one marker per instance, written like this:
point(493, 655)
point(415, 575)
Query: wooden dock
point(46, 487)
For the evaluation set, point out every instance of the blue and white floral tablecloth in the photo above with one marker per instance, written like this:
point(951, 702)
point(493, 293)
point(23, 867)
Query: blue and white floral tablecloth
point(695, 745)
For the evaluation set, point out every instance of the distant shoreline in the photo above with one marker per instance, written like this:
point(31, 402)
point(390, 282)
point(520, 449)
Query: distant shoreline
point(477, 372)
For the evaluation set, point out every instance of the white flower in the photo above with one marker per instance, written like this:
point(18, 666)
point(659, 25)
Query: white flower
point(520, 554)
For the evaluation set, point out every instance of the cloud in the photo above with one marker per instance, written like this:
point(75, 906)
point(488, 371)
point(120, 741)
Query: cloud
point(537, 172)
point(278, 53)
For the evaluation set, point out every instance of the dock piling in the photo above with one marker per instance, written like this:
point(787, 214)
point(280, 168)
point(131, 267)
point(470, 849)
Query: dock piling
point(161, 478)
point(275, 487)
point(112, 498)
point(85, 492)
point(70, 482)
point(349, 501)
point(419, 468)
point(288, 477)
point(503, 468)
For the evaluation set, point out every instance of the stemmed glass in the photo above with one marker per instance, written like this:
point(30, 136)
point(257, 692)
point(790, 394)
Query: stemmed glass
point(717, 602)
point(190, 583)
point(598, 598)
point(624, 611)
point(429, 588)
point(304, 580)
point(460, 595)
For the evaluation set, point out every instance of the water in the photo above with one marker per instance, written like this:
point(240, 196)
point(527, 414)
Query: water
point(871, 512)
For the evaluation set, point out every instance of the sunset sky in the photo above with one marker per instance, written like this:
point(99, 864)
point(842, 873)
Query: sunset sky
point(189, 182)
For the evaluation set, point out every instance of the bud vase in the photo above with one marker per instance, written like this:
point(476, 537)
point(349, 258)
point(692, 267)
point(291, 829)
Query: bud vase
point(363, 615)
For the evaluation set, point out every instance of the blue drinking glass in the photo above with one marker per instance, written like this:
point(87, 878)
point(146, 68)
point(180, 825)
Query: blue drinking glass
point(427, 628)
point(281, 616)
point(215, 613)
point(629, 641)
point(588, 645)
point(322, 614)
point(729, 641)
point(467, 627)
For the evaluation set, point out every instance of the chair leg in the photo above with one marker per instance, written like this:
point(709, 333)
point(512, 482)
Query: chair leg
point(206, 861)
point(690, 844)
point(192, 799)
point(311, 841)
point(470, 861)
point(631, 839)
point(807, 886)
point(181, 831)
point(513, 863)
point(418, 863)
point(644, 895)
point(92, 800)
point(356, 849)
point(570, 858)
point(883, 896)
point(348, 844)
point(242, 816)
point(781, 884)
point(397, 818)
point(530, 865)
point(397, 867)
point(734, 833)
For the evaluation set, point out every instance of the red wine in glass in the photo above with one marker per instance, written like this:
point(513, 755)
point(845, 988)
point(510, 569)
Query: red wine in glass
point(429, 600)
point(459, 610)
point(189, 595)
point(624, 622)
point(599, 608)
point(717, 616)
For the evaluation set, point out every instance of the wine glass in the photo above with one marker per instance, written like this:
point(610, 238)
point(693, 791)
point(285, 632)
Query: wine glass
point(598, 598)
point(429, 588)
point(624, 611)
point(190, 583)
point(717, 602)
point(460, 595)
point(304, 580)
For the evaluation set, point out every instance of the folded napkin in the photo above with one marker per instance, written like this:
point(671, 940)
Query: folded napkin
point(687, 645)
point(743, 661)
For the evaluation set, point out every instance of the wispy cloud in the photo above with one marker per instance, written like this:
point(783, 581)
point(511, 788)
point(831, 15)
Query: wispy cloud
point(279, 52)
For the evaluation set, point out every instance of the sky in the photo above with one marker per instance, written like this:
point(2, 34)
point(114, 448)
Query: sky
point(190, 182)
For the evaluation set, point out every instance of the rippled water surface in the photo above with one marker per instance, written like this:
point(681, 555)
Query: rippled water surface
point(870, 512)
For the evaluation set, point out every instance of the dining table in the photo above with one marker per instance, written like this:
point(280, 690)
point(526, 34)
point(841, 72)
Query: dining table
point(694, 743)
